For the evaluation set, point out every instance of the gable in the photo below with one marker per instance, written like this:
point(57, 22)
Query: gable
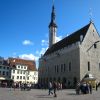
point(92, 37)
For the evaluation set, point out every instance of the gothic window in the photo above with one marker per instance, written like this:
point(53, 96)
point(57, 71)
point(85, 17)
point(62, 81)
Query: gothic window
point(61, 67)
point(64, 68)
point(88, 66)
point(70, 66)
point(57, 69)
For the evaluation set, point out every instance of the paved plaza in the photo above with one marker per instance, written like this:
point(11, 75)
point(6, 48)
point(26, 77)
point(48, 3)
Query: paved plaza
point(37, 94)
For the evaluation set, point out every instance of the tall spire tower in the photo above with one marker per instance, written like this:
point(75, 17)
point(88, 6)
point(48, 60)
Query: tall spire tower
point(52, 28)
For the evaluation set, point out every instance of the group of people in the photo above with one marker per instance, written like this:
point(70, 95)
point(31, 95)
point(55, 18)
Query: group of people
point(84, 88)
point(22, 86)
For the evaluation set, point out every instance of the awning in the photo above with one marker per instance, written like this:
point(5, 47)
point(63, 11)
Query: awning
point(89, 77)
point(2, 78)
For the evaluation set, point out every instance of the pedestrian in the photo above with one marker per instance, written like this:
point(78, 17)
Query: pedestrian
point(55, 88)
point(50, 88)
point(90, 88)
point(61, 86)
point(96, 87)
point(87, 88)
point(14, 85)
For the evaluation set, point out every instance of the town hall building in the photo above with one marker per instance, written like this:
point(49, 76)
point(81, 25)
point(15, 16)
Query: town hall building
point(73, 57)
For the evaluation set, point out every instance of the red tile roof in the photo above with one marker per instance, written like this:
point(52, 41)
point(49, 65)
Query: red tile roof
point(30, 63)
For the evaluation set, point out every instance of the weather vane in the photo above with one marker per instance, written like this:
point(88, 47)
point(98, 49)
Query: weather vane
point(90, 15)
point(53, 2)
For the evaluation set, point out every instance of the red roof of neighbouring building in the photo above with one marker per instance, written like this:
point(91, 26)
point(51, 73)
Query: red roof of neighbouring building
point(30, 63)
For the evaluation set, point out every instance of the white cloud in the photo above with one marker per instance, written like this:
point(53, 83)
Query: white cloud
point(58, 38)
point(41, 52)
point(38, 52)
point(44, 43)
point(27, 42)
point(29, 57)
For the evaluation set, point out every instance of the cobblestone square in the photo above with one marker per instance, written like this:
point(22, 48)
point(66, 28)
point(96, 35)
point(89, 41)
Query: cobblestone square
point(38, 94)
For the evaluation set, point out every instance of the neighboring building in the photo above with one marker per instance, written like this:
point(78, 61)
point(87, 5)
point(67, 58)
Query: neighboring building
point(23, 70)
point(70, 59)
point(17, 70)
point(4, 72)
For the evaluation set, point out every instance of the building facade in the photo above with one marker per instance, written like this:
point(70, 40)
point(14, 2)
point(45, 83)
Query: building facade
point(18, 71)
point(5, 73)
point(23, 71)
point(70, 59)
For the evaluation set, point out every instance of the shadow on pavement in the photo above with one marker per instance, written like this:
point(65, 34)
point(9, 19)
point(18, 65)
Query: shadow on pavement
point(71, 94)
point(44, 96)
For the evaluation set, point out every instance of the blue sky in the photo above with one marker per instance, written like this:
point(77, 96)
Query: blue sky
point(24, 24)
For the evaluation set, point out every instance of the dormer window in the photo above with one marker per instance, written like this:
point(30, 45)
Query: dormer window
point(81, 38)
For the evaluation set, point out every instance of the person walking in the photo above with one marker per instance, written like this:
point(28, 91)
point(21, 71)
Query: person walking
point(90, 88)
point(96, 87)
point(50, 88)
point(55, 88)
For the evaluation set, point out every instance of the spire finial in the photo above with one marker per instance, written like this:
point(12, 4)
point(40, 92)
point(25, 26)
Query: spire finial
point(91, 15)
point(53, 15)
point(53, 12)
point(53, 2)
